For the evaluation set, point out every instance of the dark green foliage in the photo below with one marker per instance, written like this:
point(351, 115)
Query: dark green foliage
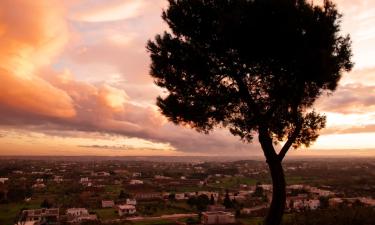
point(227, 202)
point(253, 67)
point(46, 204)
point(123, 195)
point(259, 192)
point(200, 202)
point(212, 200)
point(172, 197)
point(245, 64)
point(324, 202)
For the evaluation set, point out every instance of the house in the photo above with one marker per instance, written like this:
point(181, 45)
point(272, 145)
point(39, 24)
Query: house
point(38, 186)
point(179, 196)
point(126, 210)
point(58, 179)
point(131, 201)
point(148, 195)
point(302, 204)
point(136, 182)
point(266, 187)
point(218, 217)
point(75, 212)
point(36, 216)
point(108, 203)
point(101, 174)
point(3, 179)
point(320, 192)
point(84, 179)
point(39, 180)
point(368, 201)
point(75, 215)
point(137, 174)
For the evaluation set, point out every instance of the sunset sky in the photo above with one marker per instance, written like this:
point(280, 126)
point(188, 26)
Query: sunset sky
point(74, 81)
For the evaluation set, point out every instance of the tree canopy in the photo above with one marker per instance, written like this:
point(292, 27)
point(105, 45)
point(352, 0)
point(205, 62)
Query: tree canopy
point(254, 67)
point(249, 65)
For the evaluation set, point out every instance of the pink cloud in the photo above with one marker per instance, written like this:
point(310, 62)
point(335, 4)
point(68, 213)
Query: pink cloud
point(26, 43)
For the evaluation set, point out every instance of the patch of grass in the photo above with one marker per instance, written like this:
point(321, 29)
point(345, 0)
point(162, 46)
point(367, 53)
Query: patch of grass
point(106, 214)
point(232, 182)
point(9, 212)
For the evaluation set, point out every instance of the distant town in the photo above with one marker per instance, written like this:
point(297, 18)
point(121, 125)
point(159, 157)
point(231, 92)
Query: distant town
point(61, 191)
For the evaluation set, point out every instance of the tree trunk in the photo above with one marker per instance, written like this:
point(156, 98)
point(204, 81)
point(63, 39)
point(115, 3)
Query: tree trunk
point(276, 210)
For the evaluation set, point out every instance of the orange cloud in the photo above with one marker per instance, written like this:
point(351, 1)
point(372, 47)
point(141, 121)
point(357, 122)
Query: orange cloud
point(31, 34)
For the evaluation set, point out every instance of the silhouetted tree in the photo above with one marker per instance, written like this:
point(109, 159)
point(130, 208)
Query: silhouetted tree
point(202, 202)
point(172, 197)
point(227, 202)
point(259, 192)
point(212, 200)
point(255, 67)
point(123, 195)
point(323, 202)
point(192, 201)
point(45, 204)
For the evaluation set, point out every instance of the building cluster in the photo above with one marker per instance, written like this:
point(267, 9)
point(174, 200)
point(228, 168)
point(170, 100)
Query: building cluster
point(128, 189)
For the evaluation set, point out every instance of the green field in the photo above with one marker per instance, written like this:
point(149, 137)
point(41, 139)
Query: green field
point(106, 214)
point(233, 182)
point(8, 212)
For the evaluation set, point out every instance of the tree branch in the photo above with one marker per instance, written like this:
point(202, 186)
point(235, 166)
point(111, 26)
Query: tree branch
point(245, 92)
point(289, 142)
point(266, 142)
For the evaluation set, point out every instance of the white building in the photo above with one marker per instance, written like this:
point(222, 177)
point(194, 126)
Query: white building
point(108, 203)
point(126, 210)
point(136, 182)
point(320, 192)
point(79, 215)
point(58, 179)
point(137, 174)
point(38, 186)
point(34, 216)
point(3, 179)
point(302, 204)
point(218, 217)
point(266, 187)
point(179, 196)
point(84, 179)
point(131, 201)
point(75, 212)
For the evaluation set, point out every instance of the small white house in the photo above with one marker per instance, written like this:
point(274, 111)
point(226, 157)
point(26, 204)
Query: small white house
point(131, 201)
point(3, 179)
point(58, 179)
point(76, 215)
point(126, 210)
point(218, 218)
point(179, 196)
point(75, 212)
point(84, 179)
point(136, 182)
point(38, 186)
point(108, 203)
